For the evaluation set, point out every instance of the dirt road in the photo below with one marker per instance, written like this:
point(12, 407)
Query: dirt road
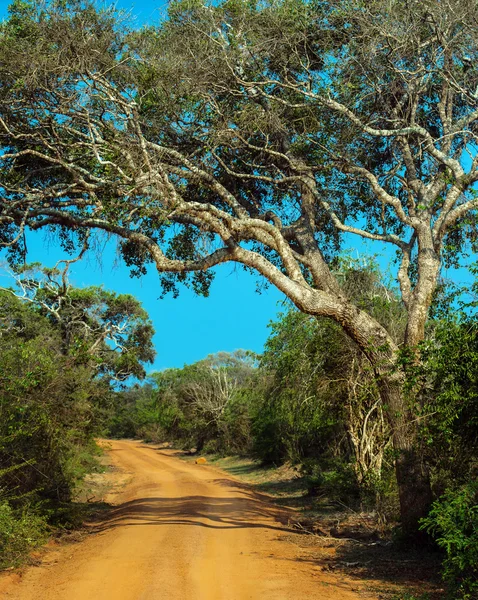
point(179, 532)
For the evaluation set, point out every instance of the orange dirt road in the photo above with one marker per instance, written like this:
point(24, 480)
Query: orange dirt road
point(179, 531)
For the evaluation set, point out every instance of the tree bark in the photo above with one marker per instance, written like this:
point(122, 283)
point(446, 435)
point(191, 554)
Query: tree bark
point(411, 473)
point(420, 299)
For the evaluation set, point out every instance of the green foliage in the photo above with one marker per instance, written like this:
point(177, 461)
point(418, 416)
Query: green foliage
point(334, 478)
point(447, 383)
point(47, 403)
point(20, 532)
point(265, 145)
point(295, 419)
point(55, 381)
point(453, 522)
point(186, 77)
point(310, 399)
point(446, 387)
point(203, 405)
point(320, 404)
point(318, 407)
point(107, 331)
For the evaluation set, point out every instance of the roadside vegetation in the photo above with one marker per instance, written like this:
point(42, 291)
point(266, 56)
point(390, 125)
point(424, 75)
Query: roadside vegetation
point(62, 351)
point(271, 135)
point(266, 134)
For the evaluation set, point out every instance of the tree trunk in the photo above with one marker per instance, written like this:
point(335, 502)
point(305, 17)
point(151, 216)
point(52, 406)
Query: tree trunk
point(382, 351)
point(412, 474)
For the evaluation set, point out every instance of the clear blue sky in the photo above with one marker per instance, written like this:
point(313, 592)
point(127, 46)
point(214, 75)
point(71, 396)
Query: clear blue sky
point(188, 328)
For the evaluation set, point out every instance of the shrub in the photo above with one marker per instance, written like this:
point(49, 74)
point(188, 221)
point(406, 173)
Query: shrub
point(333, 479)
point(19, 534)
point(453, 522)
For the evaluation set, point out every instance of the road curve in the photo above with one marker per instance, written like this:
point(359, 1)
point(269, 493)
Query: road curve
point(179, 531)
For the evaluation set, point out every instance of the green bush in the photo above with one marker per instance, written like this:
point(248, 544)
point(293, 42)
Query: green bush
point(269, 444)
point(453, 522)
point(19, 534)
point(334, 479)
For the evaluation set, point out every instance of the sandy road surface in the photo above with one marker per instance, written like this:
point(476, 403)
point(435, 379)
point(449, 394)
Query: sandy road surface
point(179, 532)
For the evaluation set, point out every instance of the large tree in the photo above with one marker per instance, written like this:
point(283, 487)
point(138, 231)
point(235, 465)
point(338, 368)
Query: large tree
point(263, 134)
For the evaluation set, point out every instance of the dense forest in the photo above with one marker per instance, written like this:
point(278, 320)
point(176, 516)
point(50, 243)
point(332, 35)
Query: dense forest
point(272, 135)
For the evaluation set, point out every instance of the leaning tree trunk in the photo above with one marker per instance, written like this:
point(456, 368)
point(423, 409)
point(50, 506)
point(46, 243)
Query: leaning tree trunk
point(411, 473)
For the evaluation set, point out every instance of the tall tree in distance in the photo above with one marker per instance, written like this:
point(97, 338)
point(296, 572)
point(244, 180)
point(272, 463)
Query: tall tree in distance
point(256, 133)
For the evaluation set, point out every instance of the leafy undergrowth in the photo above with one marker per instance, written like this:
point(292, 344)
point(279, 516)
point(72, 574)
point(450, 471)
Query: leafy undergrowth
point(20, 532)
point(24, 532)
point(88, 502)
point(337, 538)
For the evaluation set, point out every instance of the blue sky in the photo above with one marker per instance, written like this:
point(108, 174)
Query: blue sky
point(143, 10)
point(188, 328)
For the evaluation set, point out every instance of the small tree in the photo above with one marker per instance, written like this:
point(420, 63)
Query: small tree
point(194, 403)
point(110, 332)
point(261, 134)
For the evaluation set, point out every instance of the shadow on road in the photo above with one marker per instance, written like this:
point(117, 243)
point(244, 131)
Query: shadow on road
point(201, 511)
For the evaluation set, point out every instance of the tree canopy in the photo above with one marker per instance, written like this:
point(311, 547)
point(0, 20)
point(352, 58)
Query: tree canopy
point(258, 133)
point(264, 134)
point(110, 332)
